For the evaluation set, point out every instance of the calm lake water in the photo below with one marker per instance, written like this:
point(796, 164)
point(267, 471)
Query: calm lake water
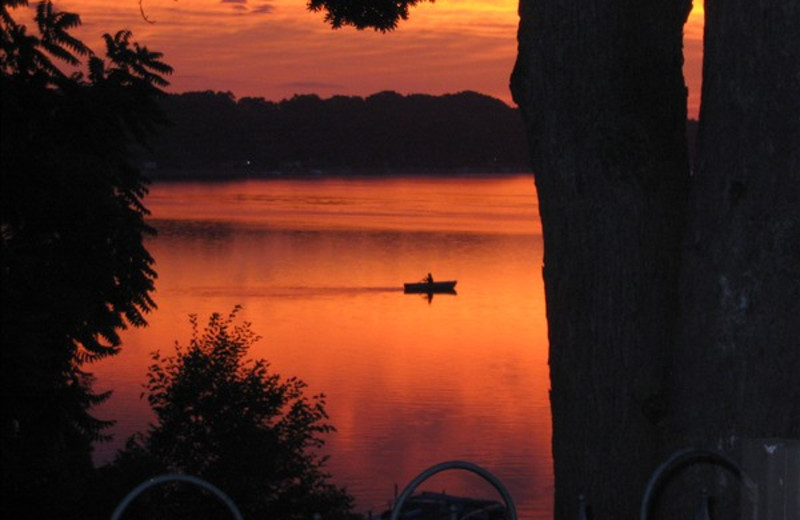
point(318, 266)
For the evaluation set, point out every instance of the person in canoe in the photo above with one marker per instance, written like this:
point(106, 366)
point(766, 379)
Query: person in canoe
point(429, 278)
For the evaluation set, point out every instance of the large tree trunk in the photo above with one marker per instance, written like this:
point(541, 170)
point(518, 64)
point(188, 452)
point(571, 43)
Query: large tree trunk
point(738, 362)
point(601, 90)
point(637, 370)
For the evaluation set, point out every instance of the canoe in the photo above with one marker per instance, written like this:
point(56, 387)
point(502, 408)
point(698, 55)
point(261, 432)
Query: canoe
point(430, 287)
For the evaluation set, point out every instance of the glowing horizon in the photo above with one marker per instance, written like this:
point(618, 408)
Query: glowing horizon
point(276, 49)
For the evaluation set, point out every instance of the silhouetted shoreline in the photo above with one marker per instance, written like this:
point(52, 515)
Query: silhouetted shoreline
point(215, 136)
point(223, 175)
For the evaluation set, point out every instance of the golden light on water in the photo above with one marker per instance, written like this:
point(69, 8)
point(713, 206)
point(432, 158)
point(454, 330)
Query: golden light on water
point(409, 383)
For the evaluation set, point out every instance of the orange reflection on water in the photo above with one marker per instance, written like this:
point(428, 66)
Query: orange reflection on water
point(383, 203)
point(319, 268)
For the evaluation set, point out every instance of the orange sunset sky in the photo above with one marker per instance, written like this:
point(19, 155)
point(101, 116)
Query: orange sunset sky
point(275, 48)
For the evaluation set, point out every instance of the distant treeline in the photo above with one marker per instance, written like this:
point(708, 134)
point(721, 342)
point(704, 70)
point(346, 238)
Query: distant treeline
point(214, 134)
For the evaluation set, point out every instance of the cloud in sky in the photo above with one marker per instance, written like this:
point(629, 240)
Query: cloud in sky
point(242, 5)
point(263, 9)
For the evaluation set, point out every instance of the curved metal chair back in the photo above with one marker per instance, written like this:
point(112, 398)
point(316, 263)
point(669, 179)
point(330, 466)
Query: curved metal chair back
point(456, 464)
point(138, 490)
point(687, 457)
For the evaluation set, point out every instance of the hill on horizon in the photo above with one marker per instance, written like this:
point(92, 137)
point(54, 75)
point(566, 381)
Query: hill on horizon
point(214, 134)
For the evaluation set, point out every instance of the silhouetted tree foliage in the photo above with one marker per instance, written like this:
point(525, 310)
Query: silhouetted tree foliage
point(74, 267)
point(385, 132)
point(381, 15)
point(230, 420)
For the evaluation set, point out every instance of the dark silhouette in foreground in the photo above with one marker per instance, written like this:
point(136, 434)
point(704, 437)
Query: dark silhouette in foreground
point(228, 419)
point(74, 267)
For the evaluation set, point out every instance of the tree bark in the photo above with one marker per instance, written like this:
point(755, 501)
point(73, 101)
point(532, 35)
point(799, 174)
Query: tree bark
point(655, 345)
point(601, 91)
point(737, 364)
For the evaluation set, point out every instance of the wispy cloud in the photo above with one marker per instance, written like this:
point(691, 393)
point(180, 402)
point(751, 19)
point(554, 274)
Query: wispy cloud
point(263, 9)
point(242, 6)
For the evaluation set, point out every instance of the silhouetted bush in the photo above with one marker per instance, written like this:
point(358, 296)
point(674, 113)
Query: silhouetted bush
point(234, 423)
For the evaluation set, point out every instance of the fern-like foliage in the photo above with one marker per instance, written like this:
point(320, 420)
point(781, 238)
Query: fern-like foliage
point(75, 270)
point(55, 38)
point(135, 62)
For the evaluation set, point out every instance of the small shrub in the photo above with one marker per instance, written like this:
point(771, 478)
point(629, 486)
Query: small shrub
point(233, 422)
